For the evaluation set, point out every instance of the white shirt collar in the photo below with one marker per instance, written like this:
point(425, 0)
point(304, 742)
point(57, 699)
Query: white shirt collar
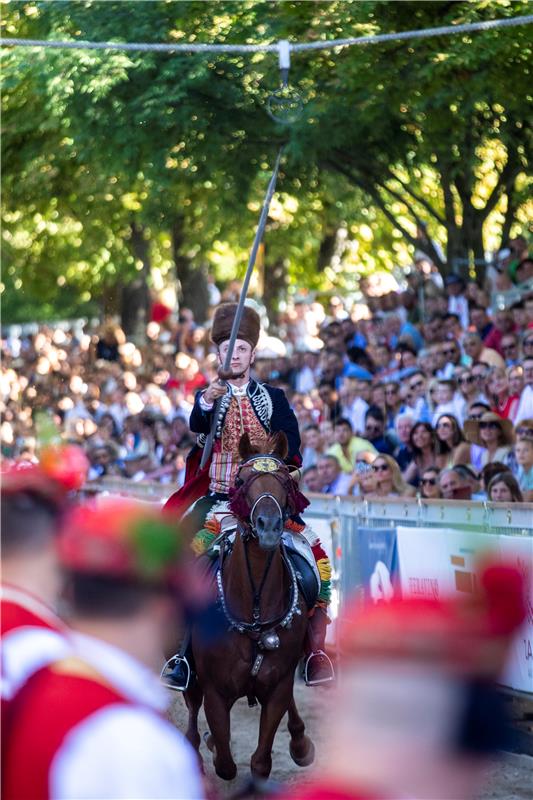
point(239, 391)
point(128, 675)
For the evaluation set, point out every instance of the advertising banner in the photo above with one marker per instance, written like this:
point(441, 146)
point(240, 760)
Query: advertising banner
point(378, 562)
point(436, 563)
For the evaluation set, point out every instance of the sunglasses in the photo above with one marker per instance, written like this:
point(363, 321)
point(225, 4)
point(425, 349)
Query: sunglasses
point(490, 425)
point(415, 386)
point(467, 379)
point(428, 481)
point(528, 343)
point(527, 432)
point(451, 352)
point(475, 416)
point(380, 468)
point(391, 391)
point(509, 348)
point(373, 429)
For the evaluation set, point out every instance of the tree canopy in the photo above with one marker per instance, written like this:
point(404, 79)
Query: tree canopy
point(128, 169)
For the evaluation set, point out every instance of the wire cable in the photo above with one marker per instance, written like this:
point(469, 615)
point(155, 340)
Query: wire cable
point(192, 47)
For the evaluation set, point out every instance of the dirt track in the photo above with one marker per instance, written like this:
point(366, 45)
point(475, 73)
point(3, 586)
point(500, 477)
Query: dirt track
point(512, 778)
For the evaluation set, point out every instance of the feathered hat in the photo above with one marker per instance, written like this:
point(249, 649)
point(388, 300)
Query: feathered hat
point(249, 329)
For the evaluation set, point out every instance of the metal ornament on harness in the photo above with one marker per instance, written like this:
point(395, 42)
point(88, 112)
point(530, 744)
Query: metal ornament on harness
point(269, 640)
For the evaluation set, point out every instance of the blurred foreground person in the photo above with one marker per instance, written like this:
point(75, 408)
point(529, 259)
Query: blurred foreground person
point(33, 500)
point(417, 713)
point(91, 725)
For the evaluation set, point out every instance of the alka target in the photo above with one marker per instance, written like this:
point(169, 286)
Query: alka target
point(285, 105)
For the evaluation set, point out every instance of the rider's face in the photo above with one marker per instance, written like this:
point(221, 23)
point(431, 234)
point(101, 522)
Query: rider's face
point(242, 357)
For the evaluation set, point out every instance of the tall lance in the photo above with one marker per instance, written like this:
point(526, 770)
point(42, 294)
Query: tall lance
point(225, 371)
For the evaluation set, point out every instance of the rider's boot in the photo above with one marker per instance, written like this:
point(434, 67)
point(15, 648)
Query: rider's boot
point(177, 673)
point(318, 669)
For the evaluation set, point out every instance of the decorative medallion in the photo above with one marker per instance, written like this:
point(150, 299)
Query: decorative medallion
point(265, 465)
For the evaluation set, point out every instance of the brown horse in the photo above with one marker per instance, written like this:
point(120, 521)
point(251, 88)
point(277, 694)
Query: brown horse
point(266, 615)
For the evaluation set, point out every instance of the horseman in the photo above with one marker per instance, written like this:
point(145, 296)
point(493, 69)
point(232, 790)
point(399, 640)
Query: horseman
point(246, 406)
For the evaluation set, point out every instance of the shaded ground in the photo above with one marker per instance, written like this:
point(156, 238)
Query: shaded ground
point(512, 778)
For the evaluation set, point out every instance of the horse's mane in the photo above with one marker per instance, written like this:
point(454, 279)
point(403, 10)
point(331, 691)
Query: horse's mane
point(274, 445)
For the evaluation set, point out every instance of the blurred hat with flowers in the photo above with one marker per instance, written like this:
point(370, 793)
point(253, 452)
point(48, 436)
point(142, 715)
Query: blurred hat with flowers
point(122, 539)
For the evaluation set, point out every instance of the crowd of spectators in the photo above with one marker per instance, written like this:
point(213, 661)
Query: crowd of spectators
point(427, 390)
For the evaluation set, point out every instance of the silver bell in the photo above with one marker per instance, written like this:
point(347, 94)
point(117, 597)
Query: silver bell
point(270, 640)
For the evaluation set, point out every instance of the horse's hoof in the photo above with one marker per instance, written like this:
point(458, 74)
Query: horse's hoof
point(227, 773)
point(309, 756)
point(209, 741)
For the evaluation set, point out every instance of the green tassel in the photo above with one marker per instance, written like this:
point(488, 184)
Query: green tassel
point(203, 541)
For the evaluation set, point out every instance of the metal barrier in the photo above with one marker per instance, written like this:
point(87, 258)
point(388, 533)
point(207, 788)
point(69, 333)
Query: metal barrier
point(337, 519)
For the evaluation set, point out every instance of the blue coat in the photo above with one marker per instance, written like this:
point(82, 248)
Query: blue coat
point(272, 410)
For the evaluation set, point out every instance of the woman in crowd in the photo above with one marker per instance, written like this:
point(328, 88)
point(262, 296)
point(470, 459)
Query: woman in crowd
point(515, 376)
point(468, 390)
point(503, 402)
point(388, 478)
point(493, 434)
point(504, 488)
point(450, 437)
point(426, 449)
point(429, 484)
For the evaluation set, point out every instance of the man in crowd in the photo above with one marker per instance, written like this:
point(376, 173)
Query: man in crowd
point(347, 445)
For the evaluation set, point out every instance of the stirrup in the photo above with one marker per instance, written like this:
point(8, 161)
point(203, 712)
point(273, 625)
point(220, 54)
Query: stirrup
point(318, 681)
point(167, 673)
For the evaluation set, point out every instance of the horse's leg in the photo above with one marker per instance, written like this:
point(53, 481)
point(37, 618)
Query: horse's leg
point(217, 711)
point(273, 709)
point(301, 748)
point(193, 700)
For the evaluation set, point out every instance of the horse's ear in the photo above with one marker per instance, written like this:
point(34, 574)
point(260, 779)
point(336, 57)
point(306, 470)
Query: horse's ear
point(246, 448)
point(280, 445)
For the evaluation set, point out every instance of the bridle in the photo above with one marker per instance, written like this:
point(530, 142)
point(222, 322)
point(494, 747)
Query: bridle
point(262, 632)
point(296, 502)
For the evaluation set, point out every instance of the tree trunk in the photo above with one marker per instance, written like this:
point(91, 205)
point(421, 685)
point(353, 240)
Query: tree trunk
point(192, 280)
point(135, 296)
point(275, 287)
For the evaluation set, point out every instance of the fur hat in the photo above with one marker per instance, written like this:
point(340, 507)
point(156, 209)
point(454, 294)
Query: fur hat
point(249, 328)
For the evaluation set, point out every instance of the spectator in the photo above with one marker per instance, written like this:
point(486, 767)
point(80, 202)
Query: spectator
point(457, 302)
point(404, 453)
point(427, 453)
point(450, 437)
point(510, 349)
point(429, 484)
point(503, 403)
point(476, 350)
point(525, 406)
point(524, 458)
point(492, 433)
point(312, 480)
point(488, 472)
point(388, 478)
point(347, 445)
point(515, 376)
point(333, 480)
point(503, 488)
point(453, 486)
point(375, 431)
point(313, 446)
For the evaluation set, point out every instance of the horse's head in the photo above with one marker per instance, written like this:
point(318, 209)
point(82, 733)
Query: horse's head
point(265, 494)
